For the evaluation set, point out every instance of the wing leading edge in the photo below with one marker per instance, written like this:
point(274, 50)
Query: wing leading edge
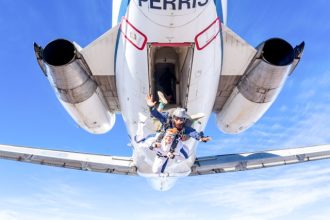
point(71, 160)
point(203, 165)
point(256, 160)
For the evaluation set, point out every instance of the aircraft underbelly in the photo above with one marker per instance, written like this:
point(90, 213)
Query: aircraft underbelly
point(133, 77)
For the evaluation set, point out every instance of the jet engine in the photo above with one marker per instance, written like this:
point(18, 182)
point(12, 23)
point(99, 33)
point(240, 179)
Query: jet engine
point(70, 76)
point(259, 86)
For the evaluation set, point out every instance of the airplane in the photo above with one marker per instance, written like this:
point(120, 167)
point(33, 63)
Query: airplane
point(215, 71)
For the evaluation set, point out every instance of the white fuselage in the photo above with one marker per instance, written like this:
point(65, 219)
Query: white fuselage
point(147, 25)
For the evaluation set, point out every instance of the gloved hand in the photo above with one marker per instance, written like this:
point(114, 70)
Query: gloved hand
point(205, 139)
point(154, 145)
point(170, 155)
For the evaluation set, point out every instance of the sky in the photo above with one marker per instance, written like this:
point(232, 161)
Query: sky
point(32, 116)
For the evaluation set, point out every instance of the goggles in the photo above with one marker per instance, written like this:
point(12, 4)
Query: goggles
point(178, 118)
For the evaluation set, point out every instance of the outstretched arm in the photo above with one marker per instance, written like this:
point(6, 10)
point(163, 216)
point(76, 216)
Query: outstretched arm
point(162, 117)
point(197, 135)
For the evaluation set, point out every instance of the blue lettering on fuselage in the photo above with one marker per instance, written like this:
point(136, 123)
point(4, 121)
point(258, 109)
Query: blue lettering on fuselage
point(201, 3)
point(155, 4)
point(172, 4)
point(169, 2)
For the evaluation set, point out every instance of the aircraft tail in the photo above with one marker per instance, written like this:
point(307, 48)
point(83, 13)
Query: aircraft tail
point(116, 5)
point(224, 11)
point(221, 6)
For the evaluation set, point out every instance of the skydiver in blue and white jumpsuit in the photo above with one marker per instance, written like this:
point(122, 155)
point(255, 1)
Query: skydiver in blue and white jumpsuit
point(165, 153)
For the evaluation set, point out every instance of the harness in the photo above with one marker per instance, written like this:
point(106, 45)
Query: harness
point(161, 155)
point(174, 143)
point(169, 124)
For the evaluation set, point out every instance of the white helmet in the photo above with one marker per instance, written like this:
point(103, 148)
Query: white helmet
point(180, 113)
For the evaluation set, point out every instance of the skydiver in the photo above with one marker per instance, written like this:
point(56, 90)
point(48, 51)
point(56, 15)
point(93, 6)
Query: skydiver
point(169, 147)
point(176, 120)
point(165, 151)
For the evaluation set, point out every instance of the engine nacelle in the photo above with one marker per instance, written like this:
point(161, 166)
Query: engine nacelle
point(70, 77)
point(259, 86)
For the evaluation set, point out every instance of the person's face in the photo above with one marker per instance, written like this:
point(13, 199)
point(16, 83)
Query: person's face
point(178, 122)
point(168, 139)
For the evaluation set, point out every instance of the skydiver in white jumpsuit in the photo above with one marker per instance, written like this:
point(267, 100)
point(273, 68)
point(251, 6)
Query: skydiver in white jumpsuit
point(164, 149)
point(164, 152)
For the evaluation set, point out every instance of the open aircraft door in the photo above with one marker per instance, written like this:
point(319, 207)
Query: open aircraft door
point(170, 67)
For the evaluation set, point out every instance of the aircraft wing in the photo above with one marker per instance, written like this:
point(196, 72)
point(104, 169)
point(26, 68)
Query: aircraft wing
point(263, 159)
point(203, 165)
point(72, 160)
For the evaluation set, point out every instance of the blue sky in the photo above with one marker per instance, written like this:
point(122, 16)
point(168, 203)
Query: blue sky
point(31, 116)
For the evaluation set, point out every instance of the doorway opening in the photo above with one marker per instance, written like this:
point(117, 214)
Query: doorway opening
point(169, 72)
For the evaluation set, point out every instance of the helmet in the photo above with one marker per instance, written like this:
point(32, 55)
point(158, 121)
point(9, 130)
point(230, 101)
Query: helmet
point(180, 113)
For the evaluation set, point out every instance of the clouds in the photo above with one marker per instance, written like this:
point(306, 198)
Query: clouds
point(264, 195)
point(274, 193)
point(309, 112)
point(300, 117)
point(8, 215)
point(54, 199)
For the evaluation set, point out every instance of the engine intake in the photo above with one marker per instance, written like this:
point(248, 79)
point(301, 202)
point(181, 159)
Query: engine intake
point(278, 52)
point(59, 52)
